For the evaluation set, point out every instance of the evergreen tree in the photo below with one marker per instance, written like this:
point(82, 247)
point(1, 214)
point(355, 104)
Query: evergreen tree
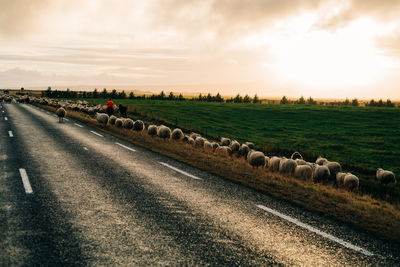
point(95, 93)
point(284, 100)
point(354, 102)
point(180, 97)
point(255, 99)
point(113, 94)
point(122, 95)
point(301, 101)
point(238, 99)
point(218, 98)
point(311, 101)
point(372, 103)
point(162, 95)
point(246, 99)
point(171, 96)
point(346, 102)
point(209, 98)
point(131, 95)
point(380, 103)
point(104, 93)
point(389, 104)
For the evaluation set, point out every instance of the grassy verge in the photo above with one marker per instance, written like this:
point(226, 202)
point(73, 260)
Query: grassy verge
point(363, 212)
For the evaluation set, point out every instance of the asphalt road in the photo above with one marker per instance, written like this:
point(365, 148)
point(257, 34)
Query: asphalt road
point(97, 200)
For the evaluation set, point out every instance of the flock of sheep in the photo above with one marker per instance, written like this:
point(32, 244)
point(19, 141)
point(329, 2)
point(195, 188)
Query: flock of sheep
point(321, 170)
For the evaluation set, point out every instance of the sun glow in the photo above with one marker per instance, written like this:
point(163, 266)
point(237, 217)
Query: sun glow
point(316, 58)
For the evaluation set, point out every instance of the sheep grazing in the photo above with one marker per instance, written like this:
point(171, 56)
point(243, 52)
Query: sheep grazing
point(163, 132)
point(152, 130)
point(61, 113)
point(243, 150)
point(234, 146)
point(301, 162)
point(320, 160)
point(296, 155)
point(273, 164)
point(334, 168)
point(320, 173)
point(199, 142)
point(351, 182)
point(250, 145)
point(215, 145)
point(128, 124)
point(177, 134)
point(385, 177)
point(102, 118)
point(119, 122)
point(303, 172)
point(340, 178)
point(190, 141)
point(256, 158)
point(287, 166)
point(112, 119)
point(138, 125)
point(194, 135)
point(266, 161)
point(225, 141)
point(185, 138)
point(223, 151)
point(208, 146)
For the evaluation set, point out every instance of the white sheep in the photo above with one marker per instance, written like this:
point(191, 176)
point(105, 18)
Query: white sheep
point(152, 130)
point(351, 182)
point(273, 163)
point(320, 173)
point(128, 124)
point(194, 135)
point(320, 160)
point(138, 125)
point(301, 162)
point(208, 146)
point(296, 155)
point(287, 166)
point(303, 172)
point(225, 141)
point(102, 118)
point(340, 178)
point(243, 150)
point(112, 119)
point(177, 134)
point(256, 158)
point(385, 177)
point(199, 142)
point(215, 145)
point(223, 151)
point(234, 146)
point(163, 132)
point(61, 113)
point(250, 145)
point(334, 168)
point(119, 122)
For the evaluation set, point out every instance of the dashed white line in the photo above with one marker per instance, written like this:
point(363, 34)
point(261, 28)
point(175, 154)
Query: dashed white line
point(66, 119)
point(317, 231)
point(93, 132)
point(5, 118)
point(25, 181)
point(180, 171)
point(127, 147)
point(78, 125)
point(10, 133)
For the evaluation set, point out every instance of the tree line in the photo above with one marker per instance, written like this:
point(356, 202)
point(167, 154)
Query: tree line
point(354, 102)
point(161, 96)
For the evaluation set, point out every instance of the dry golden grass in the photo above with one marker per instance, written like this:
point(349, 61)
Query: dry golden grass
point(362, 212)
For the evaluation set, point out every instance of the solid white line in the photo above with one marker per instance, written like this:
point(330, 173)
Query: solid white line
point(317, 231)
point(25, 181)
point(5, 118)
point(180, 171)
point(93, 132)
point(78, 125)
point(127, 147)
point(10, 133)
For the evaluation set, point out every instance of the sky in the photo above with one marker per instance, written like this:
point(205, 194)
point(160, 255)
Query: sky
point(318, 48)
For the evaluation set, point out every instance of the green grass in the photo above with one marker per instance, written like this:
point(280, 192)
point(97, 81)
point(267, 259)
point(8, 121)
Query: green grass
point(360, 138)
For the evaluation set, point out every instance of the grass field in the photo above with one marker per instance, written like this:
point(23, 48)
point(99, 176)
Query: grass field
point(360, 138)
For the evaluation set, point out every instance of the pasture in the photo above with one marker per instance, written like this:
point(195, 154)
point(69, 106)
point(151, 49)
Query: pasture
point(360, 138)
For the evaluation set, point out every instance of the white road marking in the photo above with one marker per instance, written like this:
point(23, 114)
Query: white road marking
point(5, 118)
point(93, 132)
point(25, 181)
point(66, 119)
point(2, 111)
point(127, 147)
point(85, 148)
point(317, 231)
point(180, 171)
point(10, 133)
point(78, 125)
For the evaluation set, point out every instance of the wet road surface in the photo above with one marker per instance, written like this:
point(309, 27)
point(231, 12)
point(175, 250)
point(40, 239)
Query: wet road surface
point(97, 200)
